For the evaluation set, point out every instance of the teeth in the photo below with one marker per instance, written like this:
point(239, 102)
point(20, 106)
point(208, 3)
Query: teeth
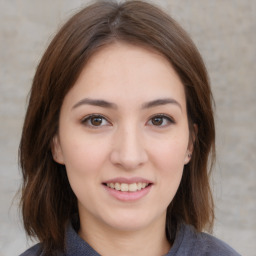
point(117, 186)
point(133, 187)
point(124, 187)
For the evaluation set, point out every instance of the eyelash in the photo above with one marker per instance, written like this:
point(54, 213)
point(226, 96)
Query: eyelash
point(88, 120)
point(167, 118)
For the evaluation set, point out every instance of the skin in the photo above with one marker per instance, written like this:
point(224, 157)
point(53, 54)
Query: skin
point(131, 138)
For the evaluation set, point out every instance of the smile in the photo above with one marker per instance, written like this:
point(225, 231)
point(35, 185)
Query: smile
point(125, 187)
point(128, 189)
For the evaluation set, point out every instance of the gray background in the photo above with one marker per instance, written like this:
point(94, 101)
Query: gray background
point(225, 33)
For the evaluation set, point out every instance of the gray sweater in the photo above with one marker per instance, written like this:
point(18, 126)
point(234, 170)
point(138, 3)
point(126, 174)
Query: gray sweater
point(188, 242)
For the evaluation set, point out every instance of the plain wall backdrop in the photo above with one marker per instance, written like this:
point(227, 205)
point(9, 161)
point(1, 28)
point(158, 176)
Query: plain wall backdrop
point(225, 33)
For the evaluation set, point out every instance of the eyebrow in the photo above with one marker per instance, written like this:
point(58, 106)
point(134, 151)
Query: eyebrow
point(95, 102)
point(106, 104)
point(160, 102)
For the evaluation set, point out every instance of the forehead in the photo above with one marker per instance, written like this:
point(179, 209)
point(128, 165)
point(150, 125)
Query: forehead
point(125, 72)
point(125, 58)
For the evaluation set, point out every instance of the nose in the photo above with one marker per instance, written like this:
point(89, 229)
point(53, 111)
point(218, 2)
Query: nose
point(128, 150)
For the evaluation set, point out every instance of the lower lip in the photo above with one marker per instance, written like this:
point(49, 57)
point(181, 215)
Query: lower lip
point(128, 196)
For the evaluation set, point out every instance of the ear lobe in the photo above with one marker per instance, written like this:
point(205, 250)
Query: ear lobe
point(187, 158)
point(190, 149)
point(56, 150)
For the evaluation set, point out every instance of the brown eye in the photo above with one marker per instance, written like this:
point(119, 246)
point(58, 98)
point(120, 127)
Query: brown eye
point(96, 121)
point(161, 121)
point(158, 120)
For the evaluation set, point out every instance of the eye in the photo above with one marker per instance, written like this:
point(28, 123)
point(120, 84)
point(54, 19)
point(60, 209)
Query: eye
point(95, 121)
point(161, 120)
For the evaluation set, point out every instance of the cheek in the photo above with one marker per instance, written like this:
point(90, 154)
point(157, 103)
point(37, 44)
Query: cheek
point(84, 157)
point(170, 155)
point(169, 159)
point(83, 164)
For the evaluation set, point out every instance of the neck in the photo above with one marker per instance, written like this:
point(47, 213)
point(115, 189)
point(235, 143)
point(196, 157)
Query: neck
point(108, 241)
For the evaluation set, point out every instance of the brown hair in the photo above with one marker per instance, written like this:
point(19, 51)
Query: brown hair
point(48, 201)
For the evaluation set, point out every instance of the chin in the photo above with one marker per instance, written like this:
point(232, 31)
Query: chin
point(129, 222)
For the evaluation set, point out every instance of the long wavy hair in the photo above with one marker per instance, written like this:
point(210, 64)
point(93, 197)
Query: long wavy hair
point(47, 200)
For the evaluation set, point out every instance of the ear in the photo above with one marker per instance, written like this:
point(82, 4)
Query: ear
point(57, 150)
point(190, 149)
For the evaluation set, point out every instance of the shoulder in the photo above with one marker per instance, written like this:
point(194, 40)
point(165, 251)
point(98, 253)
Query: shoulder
point(33, 251)
point(195, 243)
point(214, 246)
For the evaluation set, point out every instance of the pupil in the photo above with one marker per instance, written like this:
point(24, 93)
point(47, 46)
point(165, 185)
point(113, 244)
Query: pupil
point(157, 120)
point(96, 121)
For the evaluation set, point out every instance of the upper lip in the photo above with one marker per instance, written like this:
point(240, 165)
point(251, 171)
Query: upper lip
point(128, 180)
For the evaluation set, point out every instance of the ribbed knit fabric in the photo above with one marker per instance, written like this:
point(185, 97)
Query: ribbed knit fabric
point(188, 242)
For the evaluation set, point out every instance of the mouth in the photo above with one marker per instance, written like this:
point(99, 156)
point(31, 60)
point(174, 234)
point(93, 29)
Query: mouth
point(128, 189)
point(125, 187)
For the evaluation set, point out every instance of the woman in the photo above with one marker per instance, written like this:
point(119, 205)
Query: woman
point(118, 137)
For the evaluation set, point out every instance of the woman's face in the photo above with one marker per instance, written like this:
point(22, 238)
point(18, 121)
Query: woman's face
point(124, 138)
